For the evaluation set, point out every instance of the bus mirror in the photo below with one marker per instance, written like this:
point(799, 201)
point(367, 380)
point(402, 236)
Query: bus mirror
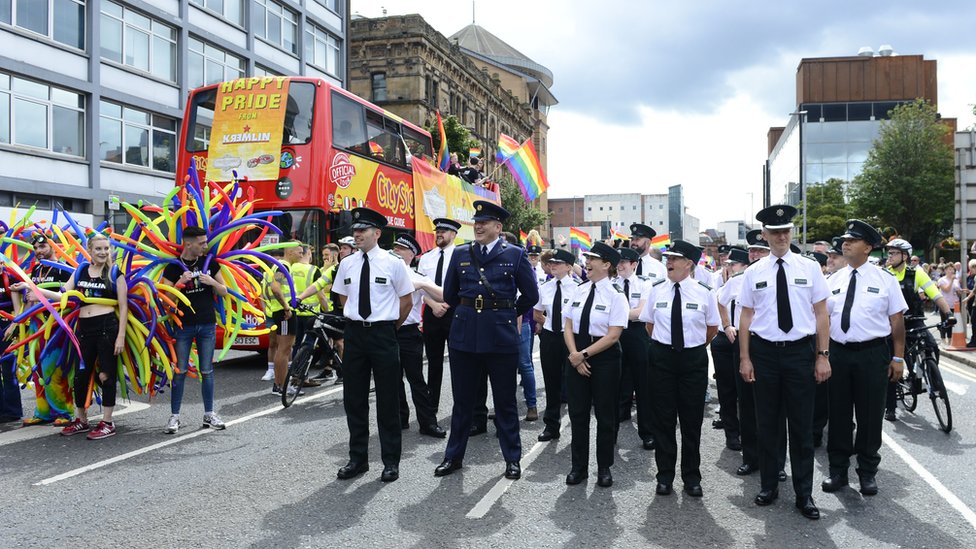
point(345, 222)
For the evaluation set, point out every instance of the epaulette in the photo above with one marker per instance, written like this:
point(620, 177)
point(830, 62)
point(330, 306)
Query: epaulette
point(645, 278)
point(889, 272)
point(618, 288)
point(707, 287)
point(658, 283)
point(737, 274)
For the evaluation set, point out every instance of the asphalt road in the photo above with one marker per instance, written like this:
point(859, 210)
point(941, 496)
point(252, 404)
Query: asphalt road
point(269, 481)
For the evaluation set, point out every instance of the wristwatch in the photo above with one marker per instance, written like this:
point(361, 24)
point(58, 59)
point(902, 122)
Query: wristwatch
point(825, 354)
point(586, 354)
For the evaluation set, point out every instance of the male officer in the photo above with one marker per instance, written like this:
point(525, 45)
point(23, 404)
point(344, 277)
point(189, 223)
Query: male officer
point(758, 247)
point(481, 285)
point(437, 318)
point(724, 348)
point(374, 287)
point(783, 302)
point(866, 307)
point(634, 368)
point(835, 256)
point(640, 240)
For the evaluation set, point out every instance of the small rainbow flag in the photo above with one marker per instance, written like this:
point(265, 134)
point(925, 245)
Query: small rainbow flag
point(474, 151)
point(617, 235)
point(524, 164)
point(443, 155)
point(523, 237)
point(661, 241)
point(579, 239)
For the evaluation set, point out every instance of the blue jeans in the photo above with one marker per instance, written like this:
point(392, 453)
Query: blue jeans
point(205, 336)
point(526, 368)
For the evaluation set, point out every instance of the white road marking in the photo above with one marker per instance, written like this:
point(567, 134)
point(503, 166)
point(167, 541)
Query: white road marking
point(178, 439)
point(928, 477)
point(958, 388)
point(488, 501)
point(963, 372)
point(37, 431)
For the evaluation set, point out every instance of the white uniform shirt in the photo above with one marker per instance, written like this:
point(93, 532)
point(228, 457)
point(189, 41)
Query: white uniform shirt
point(427, 265)
point(703, 274)
point(389, 280)
point(540, 275)
point(417, 296)
point(699, 309)
point(805, 284)
point(653, 269)
point(717, 280)
point(877, 295)
point(639, 287)
point(547, 292)
point(609, 307)
point(728, 297)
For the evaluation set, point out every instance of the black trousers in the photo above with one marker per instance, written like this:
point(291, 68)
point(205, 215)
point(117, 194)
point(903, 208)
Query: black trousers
point(436, 331)
point(724, 356)
point(467, 371)
point(552, 354)
point(785, 385)
point(96, 339)
point(372, 351)
point(748, 430)
point(821, 407)
point(635, 378)
point(599, 392)
point(857, 385)
point(411, 343)
point(681, 380)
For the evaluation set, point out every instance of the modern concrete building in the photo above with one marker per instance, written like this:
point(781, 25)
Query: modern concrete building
point(665, 213)
point(92, 92)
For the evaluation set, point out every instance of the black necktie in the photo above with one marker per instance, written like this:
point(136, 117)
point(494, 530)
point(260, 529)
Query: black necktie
point(584, 325)
point(364, 307)
point(627, 290)
point(440, 267)
point(484, 251)
point(677, 327)
point(557, 309)
point(845, 316)
point(783, 310)
point(640, 266)
point(732, 316)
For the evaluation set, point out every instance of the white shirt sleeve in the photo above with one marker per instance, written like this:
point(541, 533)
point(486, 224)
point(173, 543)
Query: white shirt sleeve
point(745, 290)
point(820, 289)
point(619, 310)
point(339, 284)
point(711, 315)
point(647, 313)
point(402, 281)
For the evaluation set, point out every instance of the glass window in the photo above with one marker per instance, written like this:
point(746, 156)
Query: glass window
point(5, 11)
point(858, 152)
point(347, 124)
point(30, 123)
point(379, 86)
point(835, 112)
point(135, 40)
point(814, 112)
point(208, 64)
point(201, 120)
point(321, 49)
point(859, 111)
point(231, 10)
point(265, 71)
point(331, 4)
point(832, 132)
point(865, 131)
point(417, 143)
point(37, 115)
point(137, 138)
point(835, 171)
point(68, 130)
point(298, 113)
point(814, 174)
point(4, 118)
point(882, 109)
point(276, 24)
point(32, 15)
point(69, 22)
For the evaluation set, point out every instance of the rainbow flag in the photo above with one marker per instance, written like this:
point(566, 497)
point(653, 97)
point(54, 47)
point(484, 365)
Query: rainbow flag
point(443, 154)
point(579, 239)
point(507, 147)
point(523, 237)
point(617, 235)
point(525, 167)
point(661, 241)
point(474, 151)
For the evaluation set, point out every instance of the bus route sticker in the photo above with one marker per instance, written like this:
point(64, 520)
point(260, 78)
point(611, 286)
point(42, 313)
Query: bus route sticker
point(342, 170)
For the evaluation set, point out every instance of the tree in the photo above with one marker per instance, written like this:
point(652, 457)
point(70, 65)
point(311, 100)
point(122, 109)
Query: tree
point(458, 137)
point(908, 180)
point(828, 210)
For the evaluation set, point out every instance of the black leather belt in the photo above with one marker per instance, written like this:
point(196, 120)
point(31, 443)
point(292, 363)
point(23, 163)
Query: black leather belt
point(591, 339)
point(365, 324)
point(671, 347)
point(794, 343)
point(480, 303)
point(861, 345)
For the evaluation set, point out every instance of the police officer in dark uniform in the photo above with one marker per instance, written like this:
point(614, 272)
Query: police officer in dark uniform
point(481, 285)
point(866, 308)
point(784, 338)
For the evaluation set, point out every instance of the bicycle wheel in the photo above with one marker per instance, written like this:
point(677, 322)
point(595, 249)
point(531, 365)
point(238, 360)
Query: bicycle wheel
point(940, 397)
point(905, 393)
point(296, 375)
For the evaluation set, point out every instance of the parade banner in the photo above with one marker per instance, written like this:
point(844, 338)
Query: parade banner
point(248, 123)
point(361, 182)
point(440, 195)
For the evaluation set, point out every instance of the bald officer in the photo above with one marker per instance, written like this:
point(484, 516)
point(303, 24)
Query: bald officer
point(374, 289)
point(640, 240)
point(481, 285)
point(783, 342)
point(866, 308)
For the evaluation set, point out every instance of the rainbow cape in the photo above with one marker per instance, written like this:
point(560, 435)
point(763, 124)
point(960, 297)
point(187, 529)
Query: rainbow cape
point(524, 164)
point(580, 240)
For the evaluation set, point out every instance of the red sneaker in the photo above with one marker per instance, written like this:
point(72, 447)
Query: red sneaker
point(76, 426)
point(103, 430)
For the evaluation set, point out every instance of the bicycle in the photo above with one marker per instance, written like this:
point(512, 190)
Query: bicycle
point(925, 361)
point(318, 343)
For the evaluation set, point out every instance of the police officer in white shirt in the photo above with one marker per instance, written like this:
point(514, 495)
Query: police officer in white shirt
point(534, 253)
point(554, 298)
point(437, 317)
point(724, 347)
point(682, 317)
point(596, 315)
point(640, 240)
point(411, 344)
point(374, 288)
point(634, 365)
point(866, 308)
point(783, 343)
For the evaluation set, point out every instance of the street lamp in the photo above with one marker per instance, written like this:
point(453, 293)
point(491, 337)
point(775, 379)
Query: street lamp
point(803, 190)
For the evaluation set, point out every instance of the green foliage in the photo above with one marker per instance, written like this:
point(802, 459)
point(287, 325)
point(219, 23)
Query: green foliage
point(908, 180)
point(828, 210)
point(458, 138)
point(525, 216)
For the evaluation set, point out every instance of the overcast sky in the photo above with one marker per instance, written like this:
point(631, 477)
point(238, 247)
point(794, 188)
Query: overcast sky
point(653, 94)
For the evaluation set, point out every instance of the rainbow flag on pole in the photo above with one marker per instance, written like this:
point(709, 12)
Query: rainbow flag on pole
point(617, 235)
point(523, 162)
point(579, 239)
point(474, 151)
point(661, 241)
point(443, 155)
point(523, 237)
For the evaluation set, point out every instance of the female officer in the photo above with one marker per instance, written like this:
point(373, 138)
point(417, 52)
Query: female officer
point(634, 369)
point(596, 316)
point(682, 317)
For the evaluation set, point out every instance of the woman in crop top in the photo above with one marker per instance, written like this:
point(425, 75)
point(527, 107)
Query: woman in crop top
point(101, 334)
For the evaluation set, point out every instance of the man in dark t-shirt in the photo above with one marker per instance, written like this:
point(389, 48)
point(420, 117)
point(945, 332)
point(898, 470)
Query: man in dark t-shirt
point(199, 280)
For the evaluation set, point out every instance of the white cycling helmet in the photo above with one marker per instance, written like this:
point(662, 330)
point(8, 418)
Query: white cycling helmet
point(348, 241)
point(900, 244)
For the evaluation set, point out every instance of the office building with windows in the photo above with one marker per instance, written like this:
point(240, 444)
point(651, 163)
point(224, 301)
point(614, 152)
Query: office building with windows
point(92, 92)
point(665, 213)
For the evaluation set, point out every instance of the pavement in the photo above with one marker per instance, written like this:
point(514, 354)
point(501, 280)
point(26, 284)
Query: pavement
point(269, 481)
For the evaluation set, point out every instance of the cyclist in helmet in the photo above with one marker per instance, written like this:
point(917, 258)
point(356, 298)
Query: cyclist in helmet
point(912, 280)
